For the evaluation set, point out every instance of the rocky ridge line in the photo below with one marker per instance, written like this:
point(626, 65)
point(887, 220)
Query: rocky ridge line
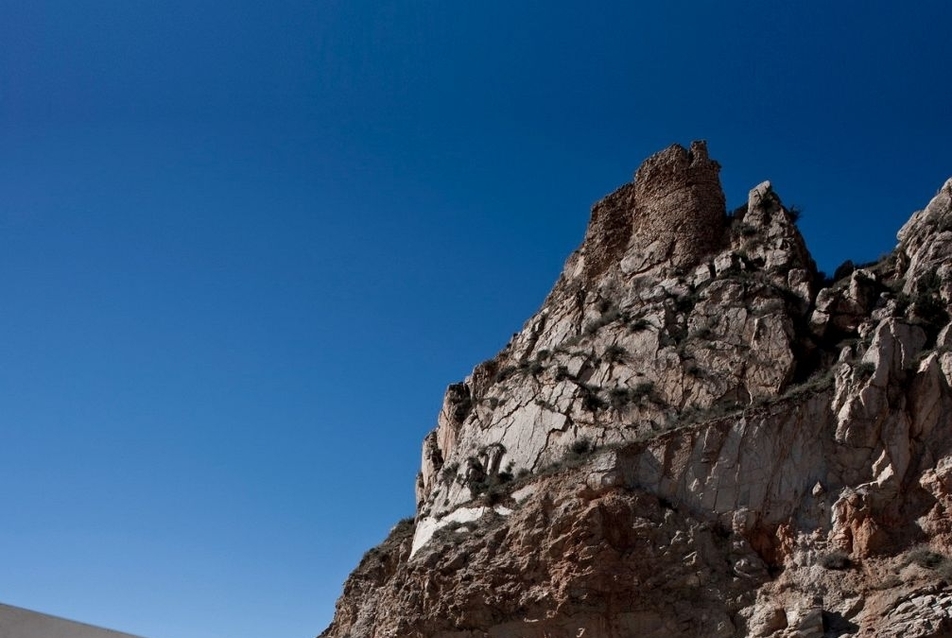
point(696, 435)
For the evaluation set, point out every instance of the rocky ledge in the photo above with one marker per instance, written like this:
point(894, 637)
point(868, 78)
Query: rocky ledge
point(698, 434)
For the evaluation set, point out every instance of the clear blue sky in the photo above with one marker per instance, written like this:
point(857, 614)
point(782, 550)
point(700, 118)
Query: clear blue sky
point(244, 246)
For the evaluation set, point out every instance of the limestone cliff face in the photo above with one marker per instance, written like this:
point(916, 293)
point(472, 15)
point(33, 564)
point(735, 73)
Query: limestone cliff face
point(696, 435)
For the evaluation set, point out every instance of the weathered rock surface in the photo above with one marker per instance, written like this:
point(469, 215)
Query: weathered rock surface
point(694, 436)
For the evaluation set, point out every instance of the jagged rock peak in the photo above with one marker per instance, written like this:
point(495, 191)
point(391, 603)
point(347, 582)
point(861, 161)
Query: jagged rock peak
point(690, 439)
point(673, 214)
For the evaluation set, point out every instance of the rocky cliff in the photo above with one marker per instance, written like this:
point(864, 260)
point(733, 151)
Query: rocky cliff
point(697, 434)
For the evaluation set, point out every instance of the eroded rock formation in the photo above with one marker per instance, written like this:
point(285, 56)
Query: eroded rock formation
point(696, 435)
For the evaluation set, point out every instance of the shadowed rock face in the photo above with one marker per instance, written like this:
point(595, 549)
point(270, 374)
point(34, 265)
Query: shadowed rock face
point(679, 207)
point(672, 215)
point(692, 437)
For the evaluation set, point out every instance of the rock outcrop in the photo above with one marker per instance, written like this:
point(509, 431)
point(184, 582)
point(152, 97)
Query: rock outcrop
point(696, 435)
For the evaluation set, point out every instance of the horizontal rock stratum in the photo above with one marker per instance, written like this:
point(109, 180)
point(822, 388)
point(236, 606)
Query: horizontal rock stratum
point(697, 434)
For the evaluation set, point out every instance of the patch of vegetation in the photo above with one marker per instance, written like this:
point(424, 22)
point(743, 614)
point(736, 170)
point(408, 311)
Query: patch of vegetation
point(927, 305)
point(404, 526)
point(794, 213)
point(931, 310)
point(863, 371)
point(768, 200)
point(615, 353)
point(610, 314)
point(925, 557)
point(836, 561)
point(622, 396)
point(643, 389)
point(580, 447)
point(889, 582)
point(449, 472)
point(591, 401)
point(619, 397)
point(639, 324)
point(928, 559)
point(817, 382)
point(746, 230)
point(685, 303)
point(451, 531)
point(504, 373)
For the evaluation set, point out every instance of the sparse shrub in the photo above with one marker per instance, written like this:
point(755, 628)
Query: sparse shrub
point(746, 230)
point(889, 582)
point(818, 381)
point(643, 389)
point(615, 353)
point(581, 446)
point(494, 494)
point(639, 324)
point(504, 373)
point(449, 471)
point(925, 557)
point(929, 283)
point(592, 402)
point(767, 201)
point(404, 525)
point(931, 310)
point(794, 213)
point(685, 303)
point(863, 370)
point(902, 303)
point(619, 397)
point(835, 560)
point(562, 373)
point(609, 313)
point(844, 270)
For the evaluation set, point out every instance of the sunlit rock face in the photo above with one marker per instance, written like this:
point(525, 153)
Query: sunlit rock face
point(696, 435)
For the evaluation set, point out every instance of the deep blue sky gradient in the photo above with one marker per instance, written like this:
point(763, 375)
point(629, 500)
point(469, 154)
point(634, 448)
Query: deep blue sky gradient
point(245, 246)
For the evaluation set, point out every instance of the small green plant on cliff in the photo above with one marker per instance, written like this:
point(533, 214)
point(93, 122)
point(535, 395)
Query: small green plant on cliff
point(835, 560)
point(449, 472)
point(928, 306)
point(685, 303)
point(863, 370)
point(609, 314)
point(591, 400)
point(639, 324)
point(504, 373)
point(580, 447)
point(623, 396)
point(615, 353)
point(924, 557)
point(767, 200)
